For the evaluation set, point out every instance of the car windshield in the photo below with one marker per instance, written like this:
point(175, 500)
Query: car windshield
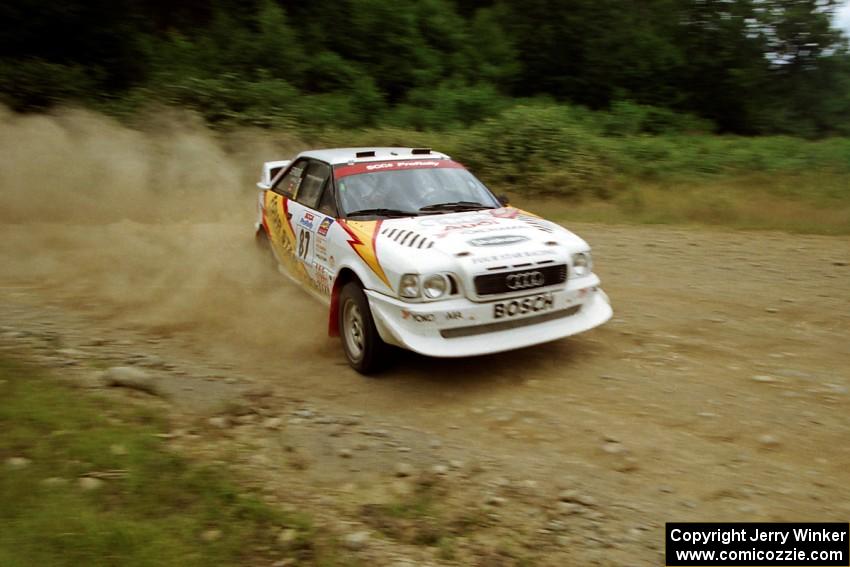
point(412, 192)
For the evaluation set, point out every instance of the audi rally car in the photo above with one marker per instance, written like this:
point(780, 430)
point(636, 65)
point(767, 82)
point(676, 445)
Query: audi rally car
point(408, 248)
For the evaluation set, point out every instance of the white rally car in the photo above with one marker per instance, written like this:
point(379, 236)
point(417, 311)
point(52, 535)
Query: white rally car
point(408, 248)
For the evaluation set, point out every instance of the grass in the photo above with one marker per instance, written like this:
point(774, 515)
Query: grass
point(424, 517)
point(803, 204)
point(152, 512)
point(536, 154)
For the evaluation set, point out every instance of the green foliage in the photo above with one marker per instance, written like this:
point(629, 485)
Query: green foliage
point(229, 99)
point(746, 66)
point(694, 156)
point(446, 106)
point(35, 84)
point(493, 57)
point(276, 49)
point(539, 148)
point(629, 119)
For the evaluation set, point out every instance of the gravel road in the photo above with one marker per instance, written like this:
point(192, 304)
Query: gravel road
point(719, 391)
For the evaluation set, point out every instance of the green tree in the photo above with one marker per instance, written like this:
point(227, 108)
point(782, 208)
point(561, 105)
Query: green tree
point(386, 39)
point(491, 54)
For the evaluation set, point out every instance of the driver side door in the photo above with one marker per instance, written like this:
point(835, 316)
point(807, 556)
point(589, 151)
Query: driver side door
point(277, 216)
point(308, 222)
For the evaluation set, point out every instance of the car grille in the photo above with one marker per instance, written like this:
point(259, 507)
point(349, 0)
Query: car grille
point(520, 280)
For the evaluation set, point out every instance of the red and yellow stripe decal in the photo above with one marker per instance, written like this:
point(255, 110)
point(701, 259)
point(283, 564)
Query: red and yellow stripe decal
point(279, 229)
point(363, 240)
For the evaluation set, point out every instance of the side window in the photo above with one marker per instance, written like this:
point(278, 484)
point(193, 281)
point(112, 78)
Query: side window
point(273, 172)
point(315, 177)
point(289, 183)
point(327, 204)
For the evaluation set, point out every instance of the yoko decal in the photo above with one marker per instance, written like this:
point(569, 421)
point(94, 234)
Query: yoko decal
point(543, 302)
point(501, 240)
point(418, 317)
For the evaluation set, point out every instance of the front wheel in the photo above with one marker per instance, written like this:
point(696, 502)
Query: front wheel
point(367, 353)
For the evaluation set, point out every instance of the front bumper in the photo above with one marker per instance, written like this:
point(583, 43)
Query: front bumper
point(460, 327)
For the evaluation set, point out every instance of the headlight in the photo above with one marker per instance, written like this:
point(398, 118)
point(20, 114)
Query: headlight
point(582, 263)
point(409, 286)
point(435, 286)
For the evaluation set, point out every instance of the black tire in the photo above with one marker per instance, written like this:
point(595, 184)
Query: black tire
point(366, 352)
point(264, 248)
point(261, 239)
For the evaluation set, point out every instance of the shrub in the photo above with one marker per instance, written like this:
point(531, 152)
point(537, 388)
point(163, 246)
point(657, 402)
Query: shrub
point(447, 106)
point(628, 119)
point(538, 148)
point(34, 84)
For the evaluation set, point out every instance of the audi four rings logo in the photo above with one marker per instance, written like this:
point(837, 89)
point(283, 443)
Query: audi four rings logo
point(525, 280)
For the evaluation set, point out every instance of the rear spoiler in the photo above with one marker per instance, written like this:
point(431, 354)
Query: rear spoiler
point(270, 171)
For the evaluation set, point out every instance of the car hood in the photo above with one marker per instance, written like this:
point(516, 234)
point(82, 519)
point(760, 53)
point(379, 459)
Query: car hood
point(480, 237)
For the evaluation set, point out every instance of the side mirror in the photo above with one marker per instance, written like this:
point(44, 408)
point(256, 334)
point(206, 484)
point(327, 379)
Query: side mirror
point(503, 200)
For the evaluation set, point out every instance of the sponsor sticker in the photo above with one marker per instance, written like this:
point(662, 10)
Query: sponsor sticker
point(326, 224)
point(418, 317)
point(403, 164)
point(499, 240)
point(307, 220)
point(395, 165)
point(468, 226)
point(273, 218)
point(513, 256)
point(322, 280)
point(534, 304)
point(505, 213)
point(497, 228)
point(457, 219)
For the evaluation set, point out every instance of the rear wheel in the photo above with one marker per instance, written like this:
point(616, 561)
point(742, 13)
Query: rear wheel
point(367, 353)
point(261, 239)
point(264, 248)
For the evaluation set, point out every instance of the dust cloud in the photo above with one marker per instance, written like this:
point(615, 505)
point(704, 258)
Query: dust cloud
point(146, 227)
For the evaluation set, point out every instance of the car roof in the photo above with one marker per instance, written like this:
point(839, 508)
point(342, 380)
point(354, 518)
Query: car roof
point(336, 156)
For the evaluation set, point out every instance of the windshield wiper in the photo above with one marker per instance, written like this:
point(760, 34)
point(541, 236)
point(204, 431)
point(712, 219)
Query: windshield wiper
point(381, 213)
point(456, 206)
